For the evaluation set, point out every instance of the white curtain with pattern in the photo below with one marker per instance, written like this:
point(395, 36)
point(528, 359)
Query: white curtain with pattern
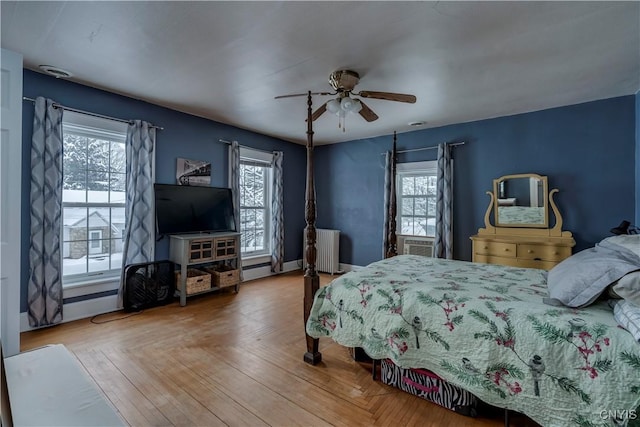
point(277, 214)
point(234, 184)
point(139, 237)
point(443, 242)
point(44, 291)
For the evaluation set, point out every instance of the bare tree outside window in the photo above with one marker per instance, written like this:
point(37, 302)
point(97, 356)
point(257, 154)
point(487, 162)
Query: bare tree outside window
point(93, 201)
point(254, 207)
point(417, 203)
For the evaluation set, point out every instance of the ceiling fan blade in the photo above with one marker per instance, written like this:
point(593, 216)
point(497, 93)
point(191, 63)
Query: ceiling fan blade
point(367, 113)
point(304, 94)
point(289, 96)
point(400, 97)
point(320, 111)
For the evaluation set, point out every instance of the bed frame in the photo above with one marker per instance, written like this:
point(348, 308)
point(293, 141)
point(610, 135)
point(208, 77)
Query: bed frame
point(311, 278)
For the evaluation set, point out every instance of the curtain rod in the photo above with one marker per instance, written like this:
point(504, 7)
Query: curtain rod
point(453, 144)
point(88, 113)
point(244, 146)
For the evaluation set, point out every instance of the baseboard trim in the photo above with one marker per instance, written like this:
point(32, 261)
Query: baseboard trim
point(79, 310)
point(350, 267)
point(265, 271)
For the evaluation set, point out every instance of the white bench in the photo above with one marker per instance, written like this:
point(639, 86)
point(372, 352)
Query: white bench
point(48, 387)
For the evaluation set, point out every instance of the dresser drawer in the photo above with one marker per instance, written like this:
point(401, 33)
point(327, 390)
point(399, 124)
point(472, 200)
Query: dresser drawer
point(514, 262)
point(543, 252)
point(489, 259)
point(532, 263)
point(495, 249)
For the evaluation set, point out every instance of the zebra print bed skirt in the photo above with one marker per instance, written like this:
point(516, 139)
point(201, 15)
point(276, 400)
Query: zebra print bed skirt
point(429, 386)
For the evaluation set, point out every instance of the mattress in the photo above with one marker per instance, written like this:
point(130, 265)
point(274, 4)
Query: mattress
point(48, 387)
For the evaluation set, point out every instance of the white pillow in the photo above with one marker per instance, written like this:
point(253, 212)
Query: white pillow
point(628, 316)
point(628, 287)
point(628, 241)
point(578, 280)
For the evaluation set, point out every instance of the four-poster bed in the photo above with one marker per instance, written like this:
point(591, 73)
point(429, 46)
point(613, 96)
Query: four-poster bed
point(480, 327)
point(311, 278)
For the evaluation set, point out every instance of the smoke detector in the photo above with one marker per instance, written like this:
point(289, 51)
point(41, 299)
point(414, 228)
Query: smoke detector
point(55, 71)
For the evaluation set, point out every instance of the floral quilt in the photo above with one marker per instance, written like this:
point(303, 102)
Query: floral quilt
point(484, 328)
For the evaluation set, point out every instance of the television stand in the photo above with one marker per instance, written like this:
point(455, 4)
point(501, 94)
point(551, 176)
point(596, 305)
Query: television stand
point(201, 249)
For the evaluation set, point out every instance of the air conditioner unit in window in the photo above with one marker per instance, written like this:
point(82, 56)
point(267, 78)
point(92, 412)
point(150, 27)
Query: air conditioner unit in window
point(422, 246)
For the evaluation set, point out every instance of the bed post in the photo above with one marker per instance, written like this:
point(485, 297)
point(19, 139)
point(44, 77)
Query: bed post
point(392, 248)
point(311, 278)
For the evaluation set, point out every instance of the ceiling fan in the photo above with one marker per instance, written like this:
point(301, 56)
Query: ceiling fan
point(343, 82)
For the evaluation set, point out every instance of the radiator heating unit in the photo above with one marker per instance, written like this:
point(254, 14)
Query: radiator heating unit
point(327, 249)
point(422, 246)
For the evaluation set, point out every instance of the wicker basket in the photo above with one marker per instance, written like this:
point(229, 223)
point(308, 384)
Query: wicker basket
point(197, 281)
point(223, 279)
point(224, 276)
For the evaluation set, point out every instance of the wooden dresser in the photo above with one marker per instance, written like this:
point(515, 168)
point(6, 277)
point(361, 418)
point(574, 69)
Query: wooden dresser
point(517, 244)
point(521, 251)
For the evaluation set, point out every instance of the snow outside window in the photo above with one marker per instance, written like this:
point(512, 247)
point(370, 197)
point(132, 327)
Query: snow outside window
point(255, 202)
point(416, 197)
point(93, 198)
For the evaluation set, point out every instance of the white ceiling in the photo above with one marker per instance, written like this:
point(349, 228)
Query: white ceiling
point(228, 60)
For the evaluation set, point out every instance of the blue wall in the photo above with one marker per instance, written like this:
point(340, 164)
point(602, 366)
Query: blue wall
point(183, 136)
point(586, 151)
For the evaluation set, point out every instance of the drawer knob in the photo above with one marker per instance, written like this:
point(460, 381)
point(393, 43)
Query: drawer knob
point(506, 249)
point(486, 247)
point(556, 253)
point(529, 251)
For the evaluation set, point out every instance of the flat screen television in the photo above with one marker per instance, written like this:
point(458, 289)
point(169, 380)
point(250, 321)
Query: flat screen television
point(192, 209)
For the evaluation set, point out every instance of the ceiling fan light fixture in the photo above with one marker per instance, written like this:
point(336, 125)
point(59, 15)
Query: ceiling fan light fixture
point(350, 105)
point(357, 106)
point(343, 82)
point(346, 104)
point(333, 106)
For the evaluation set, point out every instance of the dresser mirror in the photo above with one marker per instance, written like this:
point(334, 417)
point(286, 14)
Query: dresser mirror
point(521, 201)
point(520, 235)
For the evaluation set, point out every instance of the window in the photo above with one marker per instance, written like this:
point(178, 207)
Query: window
point(416, 195)
point(255, 202)
point(93, 197)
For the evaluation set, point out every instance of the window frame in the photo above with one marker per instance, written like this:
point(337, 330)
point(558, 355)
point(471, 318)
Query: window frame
point(95, 127)
point(423, 168)
point(264, 159)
